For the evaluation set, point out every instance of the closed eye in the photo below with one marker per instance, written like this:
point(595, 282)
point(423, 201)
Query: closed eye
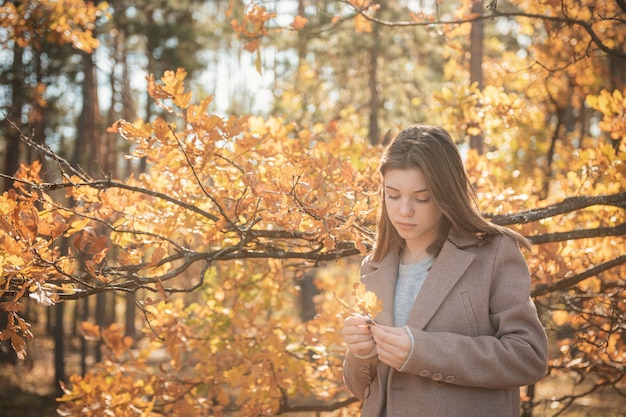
point(418, 200)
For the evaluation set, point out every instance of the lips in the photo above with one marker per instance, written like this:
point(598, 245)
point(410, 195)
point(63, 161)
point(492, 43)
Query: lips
point(400, 225)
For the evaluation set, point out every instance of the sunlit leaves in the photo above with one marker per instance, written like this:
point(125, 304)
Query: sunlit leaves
point(612, 106)
point(362, 302)
point(171, 86)
point(60, 22)
point(260, 200)
point(254, 26)
point(225, 347)
point(217, 189)
point(27, 250)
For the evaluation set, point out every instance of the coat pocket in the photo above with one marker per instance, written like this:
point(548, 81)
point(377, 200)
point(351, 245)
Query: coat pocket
point(469, 314)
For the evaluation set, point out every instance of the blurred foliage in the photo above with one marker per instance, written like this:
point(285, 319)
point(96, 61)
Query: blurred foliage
point(216, 237)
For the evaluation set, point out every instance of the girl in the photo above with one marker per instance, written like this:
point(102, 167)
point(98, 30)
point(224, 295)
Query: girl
point(458, 334)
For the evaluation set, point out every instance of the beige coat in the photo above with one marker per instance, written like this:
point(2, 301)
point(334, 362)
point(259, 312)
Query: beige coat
point(476, 331)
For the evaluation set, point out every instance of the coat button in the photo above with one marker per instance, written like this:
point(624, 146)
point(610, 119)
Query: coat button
point(437, 376)
point(450, 379)
point(424, 373)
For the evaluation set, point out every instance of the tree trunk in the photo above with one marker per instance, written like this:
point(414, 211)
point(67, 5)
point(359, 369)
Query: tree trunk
point(101, 305)
point(527, 408)
point(87, 143)
point(476, 65)
point(131, 330)
point(550, 155)
point(84, 348)
point(59, 344)
point(12, 156)
point(374, 128)
point(617, 67)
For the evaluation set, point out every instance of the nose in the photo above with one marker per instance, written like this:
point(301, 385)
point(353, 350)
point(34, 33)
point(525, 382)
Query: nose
point(406, 207)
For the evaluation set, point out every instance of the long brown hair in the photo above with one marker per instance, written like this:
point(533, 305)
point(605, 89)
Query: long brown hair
point(431, 149)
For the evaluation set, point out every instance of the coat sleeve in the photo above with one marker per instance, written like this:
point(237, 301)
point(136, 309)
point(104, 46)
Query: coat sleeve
point(358, 374)
point(513, 354)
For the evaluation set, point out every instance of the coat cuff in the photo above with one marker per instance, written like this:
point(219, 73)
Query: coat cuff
point(408, 331)
point(370, 355)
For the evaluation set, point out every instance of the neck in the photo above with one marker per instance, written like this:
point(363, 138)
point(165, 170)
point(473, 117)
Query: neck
point(413, 255)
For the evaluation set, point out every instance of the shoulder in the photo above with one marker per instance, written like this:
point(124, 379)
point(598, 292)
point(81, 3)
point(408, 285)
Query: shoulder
point(366, 264)
point(490, 242)
point(494, 249)
point(369, 265)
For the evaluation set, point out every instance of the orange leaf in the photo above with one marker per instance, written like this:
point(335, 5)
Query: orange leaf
point(361, 24)
point(90, 331)
point(299, 22)
point(157, 255)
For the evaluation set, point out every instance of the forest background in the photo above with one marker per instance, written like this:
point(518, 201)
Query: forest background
point(189, 188)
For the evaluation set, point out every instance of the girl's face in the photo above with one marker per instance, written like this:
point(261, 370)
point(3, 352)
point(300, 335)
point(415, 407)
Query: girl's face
point(411, 208)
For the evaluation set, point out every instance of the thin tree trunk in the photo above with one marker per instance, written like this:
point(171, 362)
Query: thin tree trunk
point(87, 135)
point(59, 344)
point(476, 65)
point(617, 68)
point(84, 348)
point(101, 305)
point(12, 156)
point(374, 128)
point(527, 408)
point(131, 330)
point(85, 146)
point(550, 155)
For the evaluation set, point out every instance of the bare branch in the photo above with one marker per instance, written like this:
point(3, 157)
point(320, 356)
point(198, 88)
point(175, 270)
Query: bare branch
point(317, 407)
point(566, 206)
point(579, 234)
point(585, 25)
point(569, 282)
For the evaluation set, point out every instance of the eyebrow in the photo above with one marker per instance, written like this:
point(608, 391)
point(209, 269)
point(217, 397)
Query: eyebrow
point(414, 192)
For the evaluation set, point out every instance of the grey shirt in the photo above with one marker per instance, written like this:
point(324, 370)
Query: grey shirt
point(410, 280)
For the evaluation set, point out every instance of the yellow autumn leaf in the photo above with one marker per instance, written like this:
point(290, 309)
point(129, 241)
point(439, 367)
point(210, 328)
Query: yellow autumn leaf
point(77, 226)
point(560, 317)
point(363, 302)
point(366, 301)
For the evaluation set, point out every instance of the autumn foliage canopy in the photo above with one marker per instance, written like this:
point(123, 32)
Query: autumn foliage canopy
point(214, 239)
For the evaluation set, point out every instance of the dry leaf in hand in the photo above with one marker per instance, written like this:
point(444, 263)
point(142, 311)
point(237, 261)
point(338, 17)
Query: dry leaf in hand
point(363, 302)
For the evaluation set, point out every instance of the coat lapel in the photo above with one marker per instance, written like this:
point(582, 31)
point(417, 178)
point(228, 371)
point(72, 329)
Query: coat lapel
point(448, 268)
point(446, 271)
point(382, 280)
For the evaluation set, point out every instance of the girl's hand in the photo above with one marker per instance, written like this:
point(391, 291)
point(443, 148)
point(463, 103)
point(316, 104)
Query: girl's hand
point(392, 343)
point(356, 333)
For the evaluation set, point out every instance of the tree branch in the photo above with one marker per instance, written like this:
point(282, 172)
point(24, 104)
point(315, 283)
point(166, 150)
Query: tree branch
point(585, 25)
point(566, 206)
point(566, 283)
point(578, 234)
point(318, 407)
